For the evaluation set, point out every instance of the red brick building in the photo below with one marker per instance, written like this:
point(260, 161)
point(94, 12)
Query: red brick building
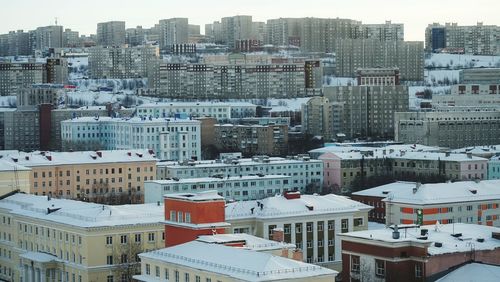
point(416, 254)
point(188, 216)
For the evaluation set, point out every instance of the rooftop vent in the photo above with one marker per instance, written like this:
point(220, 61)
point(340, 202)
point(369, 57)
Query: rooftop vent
point(139, 155)
point(480, 240)
point(473, 191)
point(424, 232)
point(129, 154)
point(385, 192)
point(49, 158)
point(456, 235)
point(438, 244)
point(289, 195)
point(310, 207)
point(395, 233)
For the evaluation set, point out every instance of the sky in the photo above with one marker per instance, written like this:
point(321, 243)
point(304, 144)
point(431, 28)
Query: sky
point(83, 15)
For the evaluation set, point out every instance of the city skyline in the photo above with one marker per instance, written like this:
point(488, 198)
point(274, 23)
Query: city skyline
point(415, 16)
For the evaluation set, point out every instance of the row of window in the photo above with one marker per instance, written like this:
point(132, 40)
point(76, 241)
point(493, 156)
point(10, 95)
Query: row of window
point(94, 171)
point(137, 238)
point(176, 275)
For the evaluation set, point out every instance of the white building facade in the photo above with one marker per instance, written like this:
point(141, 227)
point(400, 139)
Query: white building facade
point(170, 139)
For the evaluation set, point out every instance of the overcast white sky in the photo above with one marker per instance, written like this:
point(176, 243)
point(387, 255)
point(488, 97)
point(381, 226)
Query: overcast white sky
point(83, 15)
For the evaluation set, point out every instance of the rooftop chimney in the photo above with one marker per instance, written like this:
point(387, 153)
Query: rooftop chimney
point(278, 235)
point(99, 153)
point(297, 255)
point(292, 195)
point(395, 233)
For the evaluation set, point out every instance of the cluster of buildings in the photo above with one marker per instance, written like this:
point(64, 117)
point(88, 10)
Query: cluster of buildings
point(477, 39)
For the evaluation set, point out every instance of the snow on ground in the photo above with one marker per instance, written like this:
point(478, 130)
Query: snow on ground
point(89, 98)
point(78, 68)
point(457, 61)
point(339, 81)
point(441, 77)
point(8, 101)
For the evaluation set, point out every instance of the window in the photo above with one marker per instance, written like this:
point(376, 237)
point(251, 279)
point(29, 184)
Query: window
point(109, 240)
point(172, 215)
point(418, 270)
point(309, 227)
point(355, 264)
point(137, 238)
point(148, 269)
point(186, 277)
point(358, 221)
point(331, 225)
point(157, 271)
point(151, 237)
point(124, 258)
point(197, 278)
point(167, 276)
point(345, 225)
point(187, 217)
point(123, 239)
point(379, 268)
point(109, 260)
point(109, 278)
point(176, 275)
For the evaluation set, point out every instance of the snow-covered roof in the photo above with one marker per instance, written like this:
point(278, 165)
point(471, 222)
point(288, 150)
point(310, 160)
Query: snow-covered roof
point(473, 272)
point(39, 257)
point(450, 244)
point(240, 264)
point(437, 193)
point(197, 197)
point(435, 156)
point(250, 242)
point(239, 162)
point(384, 190)
point(81, 214)
point(479, 150)
point(279, 206)
point(130, 120)
point(11, 167)
point(183, 104)
point(351, 147)
point(215, 179)
point(38, 158)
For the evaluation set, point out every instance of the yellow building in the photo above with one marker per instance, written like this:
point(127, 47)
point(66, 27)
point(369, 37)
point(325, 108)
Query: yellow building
point(103, 176)
point(14, 177)
point(47, 239)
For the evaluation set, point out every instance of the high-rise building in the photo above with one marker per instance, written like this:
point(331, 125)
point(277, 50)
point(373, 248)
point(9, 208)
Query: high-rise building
point(111, 33)
point(15, 43)
point(48, 37)
point(236, 28)
point(367, 110)
point(14, 76)
point(173, 31)
point(71, 38)
point(121, 62)
point(135, 36)
point(317, 118)
point(477, 39)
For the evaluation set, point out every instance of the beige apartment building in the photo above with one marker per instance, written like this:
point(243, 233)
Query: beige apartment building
point(47, 239)
point(14, 177)
point(88, 175)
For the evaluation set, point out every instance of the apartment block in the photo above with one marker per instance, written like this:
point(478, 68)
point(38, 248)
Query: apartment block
point(173, 31)
point(302, 170)
point(494, 167)
point(477, 39)
point(48, 239)
point(88, 175)
point(448, 127)
point(343, 170)
point(14, 76)
point(111, 33)
point(217, 110)
point(47, 37)
point(368, 110)
point(121, 62)
point(236, 28)
point(318, 118)
point(238, 188)
point(15, 43)
point(252, 140)
point(169, 138)
point(71, 38)
point(414, 203)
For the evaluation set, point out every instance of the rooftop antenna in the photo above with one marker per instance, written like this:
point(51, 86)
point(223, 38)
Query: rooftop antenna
point(56, 20)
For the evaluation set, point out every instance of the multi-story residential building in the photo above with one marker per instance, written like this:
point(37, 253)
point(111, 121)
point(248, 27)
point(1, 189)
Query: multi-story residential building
point(480, 76)
point(317, 118)
point(353, 54)
point(121, 62)
point(302, 170)
point(47, 239)
point(169, 138)
point(14, 76)
point(111, 33)
point(387, 31)
point(88, 175)
point(56, 71)
point(217, 81)
point(135, 36)
point(236, 28)
point(478, 40)
point(345, 170)
point(311, 222)
point(238, 188)
point(412, 253)
point(71, 38)
point(37, 94)
point(448, 127)
point(14, 177)
point(252, 140)
point(15, 43)
point(217, 110)
point(47, 37)
point(410, 202)
point(173, 31)
point(368, 110)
